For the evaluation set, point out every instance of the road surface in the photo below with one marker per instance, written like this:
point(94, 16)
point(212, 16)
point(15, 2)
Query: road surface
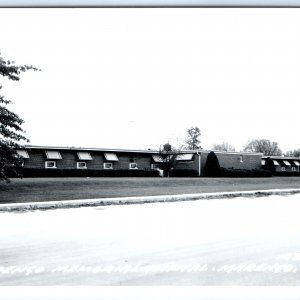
point(241, 241)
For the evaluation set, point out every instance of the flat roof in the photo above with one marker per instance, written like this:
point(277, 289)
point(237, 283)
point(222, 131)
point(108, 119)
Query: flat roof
point(129, 150)
point(281, 157)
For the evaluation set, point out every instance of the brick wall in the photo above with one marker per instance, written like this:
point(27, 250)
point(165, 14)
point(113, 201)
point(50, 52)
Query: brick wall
point(233, 161)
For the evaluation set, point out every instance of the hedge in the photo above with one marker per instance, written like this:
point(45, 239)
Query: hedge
point(183, 173)
point(245, 173)
point(87, 173)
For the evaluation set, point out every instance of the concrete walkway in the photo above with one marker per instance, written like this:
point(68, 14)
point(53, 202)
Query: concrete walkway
point(140, 200)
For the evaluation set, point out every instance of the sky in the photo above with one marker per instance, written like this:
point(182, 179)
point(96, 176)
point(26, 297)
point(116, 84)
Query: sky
point(138, 78)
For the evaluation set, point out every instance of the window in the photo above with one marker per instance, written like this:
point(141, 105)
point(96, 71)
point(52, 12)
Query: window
point(241, 158)
point(286, 163)
point(263, 162)
point(84, 155)
point(108, 165)
point(155, 166)
point(297, 163)
point(157, 158)
point(23, 153)
point(81, 165)
point(50, 164)
point(188, 156)
point(111, 156)
point(276, 163)
point(283, 169)
point(53, 154)
point(133, 166)
point(293, 169)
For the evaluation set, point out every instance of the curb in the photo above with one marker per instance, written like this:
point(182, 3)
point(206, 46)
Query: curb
point(140, 200)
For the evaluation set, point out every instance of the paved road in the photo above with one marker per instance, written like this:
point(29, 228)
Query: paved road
point(242, 241)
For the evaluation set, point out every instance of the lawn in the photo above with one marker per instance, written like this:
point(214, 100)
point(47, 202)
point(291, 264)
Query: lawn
point(51, 189)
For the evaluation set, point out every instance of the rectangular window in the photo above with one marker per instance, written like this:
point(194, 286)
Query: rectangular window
point(84, 156)
point(154, 166)
point(133, 166)
point(111, 156)
point(53, 154)
point(50, 164)
point(23, 153)
point(188, 156)
point(81, 165)
point(108, 166)
point(263, 162)
point(241, 158)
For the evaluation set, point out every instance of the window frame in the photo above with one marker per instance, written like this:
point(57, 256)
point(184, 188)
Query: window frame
point(133, 168)
point(108, 163)
point(81, 162)
point(50, 161)
point(153, 168)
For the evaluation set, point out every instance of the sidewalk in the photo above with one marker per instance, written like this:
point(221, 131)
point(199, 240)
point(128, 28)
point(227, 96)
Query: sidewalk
point(140, 200)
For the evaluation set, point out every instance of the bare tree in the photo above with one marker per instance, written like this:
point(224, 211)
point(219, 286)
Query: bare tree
point(223, 147)
point(264, 146)
point(293, 153)
point(168, 157)
point(192, 141)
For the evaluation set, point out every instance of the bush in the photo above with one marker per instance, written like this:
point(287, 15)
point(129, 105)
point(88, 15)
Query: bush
point(245, 173)
point(88, 173)
point(212, 166)
point(183, 173)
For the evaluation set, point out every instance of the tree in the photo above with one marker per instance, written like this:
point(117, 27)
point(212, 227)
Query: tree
point(212, 167)
point(168, 158)
point(264, 146)
point(269, 165)
point(192, 141)
point(293, 153)
point(223, 147)
point(11, 131)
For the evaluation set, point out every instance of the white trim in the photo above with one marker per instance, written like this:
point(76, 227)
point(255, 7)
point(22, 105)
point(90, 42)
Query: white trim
point(287, 163)
point(111, 156)
point(83, 155)
point(108, 163)
point(83, 163)
point(50, 161)
point(23, 153)
point(51, 154)
point(131, 167)
point(297, 163)
point(275, 162)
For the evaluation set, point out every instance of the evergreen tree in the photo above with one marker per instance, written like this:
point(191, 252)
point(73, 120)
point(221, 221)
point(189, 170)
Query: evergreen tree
point(212, 166)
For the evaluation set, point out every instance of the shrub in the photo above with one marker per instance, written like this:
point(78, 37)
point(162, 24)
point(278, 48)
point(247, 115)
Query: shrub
point(212, 166)
point(88, 173)
point(183, 173)
point(245, 173)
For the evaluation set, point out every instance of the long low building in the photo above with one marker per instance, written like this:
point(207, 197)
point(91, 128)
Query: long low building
point(283, 164)
point(66, 161)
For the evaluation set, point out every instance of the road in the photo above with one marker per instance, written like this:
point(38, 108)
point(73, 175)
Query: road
point(241, 241)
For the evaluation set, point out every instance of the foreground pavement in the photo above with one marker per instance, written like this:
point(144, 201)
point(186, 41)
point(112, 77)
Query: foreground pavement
point(239, 241)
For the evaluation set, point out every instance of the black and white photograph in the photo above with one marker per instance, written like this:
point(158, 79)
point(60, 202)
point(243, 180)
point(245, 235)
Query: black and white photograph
point(150, 147)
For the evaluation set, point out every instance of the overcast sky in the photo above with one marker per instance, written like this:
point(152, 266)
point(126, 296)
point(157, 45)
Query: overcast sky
point(137, 78)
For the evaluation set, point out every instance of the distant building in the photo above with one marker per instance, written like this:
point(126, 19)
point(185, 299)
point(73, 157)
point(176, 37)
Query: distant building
point(72, 161)
point(284, 165)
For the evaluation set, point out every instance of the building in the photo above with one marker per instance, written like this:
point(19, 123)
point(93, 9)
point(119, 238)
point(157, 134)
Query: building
point(284, 165)
point(72, 161)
